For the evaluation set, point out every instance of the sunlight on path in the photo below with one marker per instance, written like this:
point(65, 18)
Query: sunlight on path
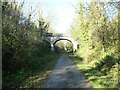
point(66, 75)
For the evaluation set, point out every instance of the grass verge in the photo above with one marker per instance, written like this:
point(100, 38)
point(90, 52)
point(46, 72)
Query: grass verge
point(96, 78)
point(32, 78)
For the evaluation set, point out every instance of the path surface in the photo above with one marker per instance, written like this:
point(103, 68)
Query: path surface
point(66, 75)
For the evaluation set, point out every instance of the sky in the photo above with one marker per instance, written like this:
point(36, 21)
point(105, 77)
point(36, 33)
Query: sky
point(61, 13)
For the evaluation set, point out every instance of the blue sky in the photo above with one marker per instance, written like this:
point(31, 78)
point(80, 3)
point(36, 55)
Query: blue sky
point(61, 13)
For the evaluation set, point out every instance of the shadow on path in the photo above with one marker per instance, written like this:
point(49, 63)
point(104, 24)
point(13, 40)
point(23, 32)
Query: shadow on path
point(66, 75)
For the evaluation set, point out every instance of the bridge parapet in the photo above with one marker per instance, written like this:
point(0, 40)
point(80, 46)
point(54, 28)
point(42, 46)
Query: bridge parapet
point(55, 35)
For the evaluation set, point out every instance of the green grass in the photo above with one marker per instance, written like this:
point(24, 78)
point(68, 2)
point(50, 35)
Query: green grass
point(35, 76)
point(96, 78)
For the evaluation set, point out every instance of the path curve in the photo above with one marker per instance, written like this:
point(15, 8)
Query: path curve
point(66, 75)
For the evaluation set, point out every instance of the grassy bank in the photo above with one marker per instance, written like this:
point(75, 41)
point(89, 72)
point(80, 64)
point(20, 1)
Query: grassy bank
point(35, 76)
point(95, 77)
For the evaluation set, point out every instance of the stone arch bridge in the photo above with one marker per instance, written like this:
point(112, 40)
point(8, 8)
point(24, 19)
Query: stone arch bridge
point(53, 38)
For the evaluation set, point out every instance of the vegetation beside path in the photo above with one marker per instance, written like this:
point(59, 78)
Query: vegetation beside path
point(94, 75)
point(26, 58)
point(98, 36)
point(33, 77)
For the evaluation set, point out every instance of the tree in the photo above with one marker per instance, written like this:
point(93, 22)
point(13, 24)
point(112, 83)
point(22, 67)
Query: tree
point(98, 37)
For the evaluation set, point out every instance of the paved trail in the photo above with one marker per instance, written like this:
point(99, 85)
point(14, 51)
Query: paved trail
point(66, 75)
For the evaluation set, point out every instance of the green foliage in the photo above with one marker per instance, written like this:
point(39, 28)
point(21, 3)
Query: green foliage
point(97, 35)
point(20, 37)
point(96, 77)
point(22, 47)
point(34, 75)
point(106, 64)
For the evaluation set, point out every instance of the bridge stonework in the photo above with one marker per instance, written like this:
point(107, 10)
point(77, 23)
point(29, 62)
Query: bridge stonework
point(52, 39)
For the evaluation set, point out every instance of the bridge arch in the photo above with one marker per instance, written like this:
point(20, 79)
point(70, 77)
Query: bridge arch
point(68, 39)
point(60, 39)
point(53, 39)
